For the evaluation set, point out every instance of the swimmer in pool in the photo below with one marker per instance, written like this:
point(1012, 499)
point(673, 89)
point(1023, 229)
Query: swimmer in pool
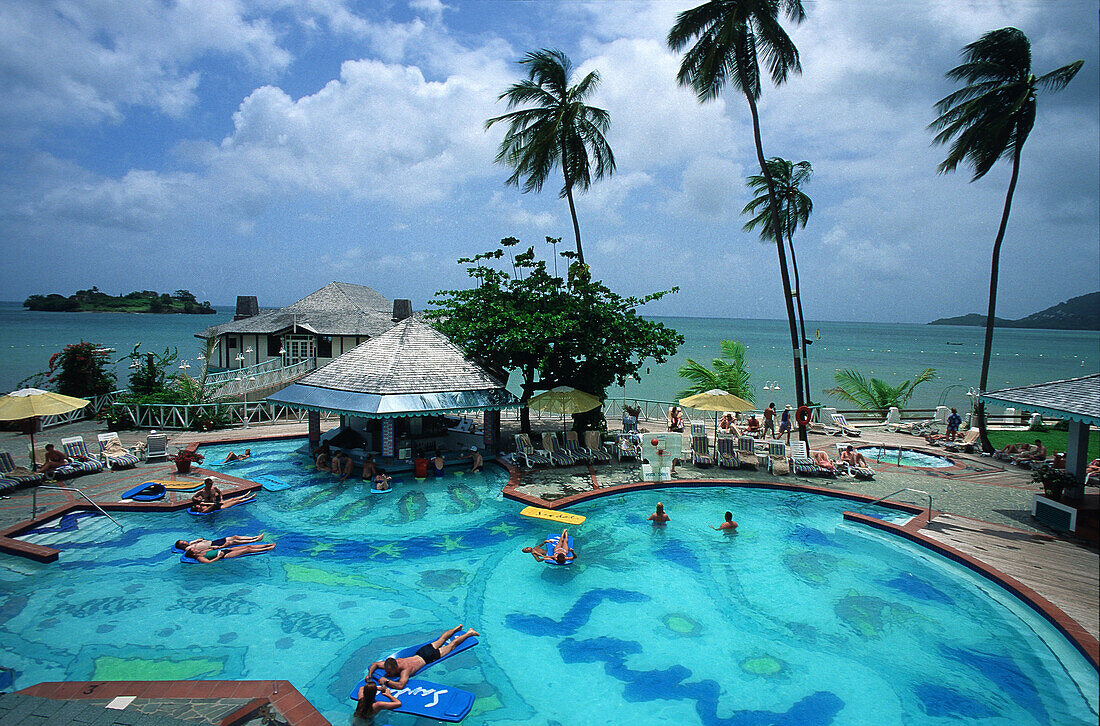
point(476, 461)
point(209, 494)
point(381, 481)
point(234, 456)
point(226, 554)
point(368, 707)
point(400, 670)
point(202, 545)
point(729, 525)
point(659, 516)
point(561, 553)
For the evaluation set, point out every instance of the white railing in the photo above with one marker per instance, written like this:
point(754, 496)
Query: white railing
point(98, 403)
point(240, 381)
point(171, 416)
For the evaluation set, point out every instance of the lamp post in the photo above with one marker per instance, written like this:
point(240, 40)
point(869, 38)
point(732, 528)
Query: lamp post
point(249, 350)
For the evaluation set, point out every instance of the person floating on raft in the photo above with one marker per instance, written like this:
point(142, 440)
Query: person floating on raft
point(209, 498)
point(561, 553)
point(234, 456)
point(203, 556)
point(398, 671)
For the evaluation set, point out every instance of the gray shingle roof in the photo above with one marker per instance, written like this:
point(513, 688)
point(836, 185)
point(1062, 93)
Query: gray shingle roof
point(339, 308)
point(1074, 398)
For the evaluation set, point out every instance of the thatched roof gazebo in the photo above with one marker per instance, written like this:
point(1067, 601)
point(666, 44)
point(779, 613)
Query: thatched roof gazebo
point(411, 371)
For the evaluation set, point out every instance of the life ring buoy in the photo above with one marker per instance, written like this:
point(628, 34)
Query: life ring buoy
point(802, 415)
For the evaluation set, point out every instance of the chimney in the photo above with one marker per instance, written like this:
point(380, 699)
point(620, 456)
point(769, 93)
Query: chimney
point(401, 310)
point(247, 306)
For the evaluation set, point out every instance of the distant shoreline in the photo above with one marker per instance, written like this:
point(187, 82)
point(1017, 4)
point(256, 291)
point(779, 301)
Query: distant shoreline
point(147, 301)
point(1079, 313)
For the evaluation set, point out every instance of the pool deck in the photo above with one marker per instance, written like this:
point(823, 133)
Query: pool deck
point(981, 514)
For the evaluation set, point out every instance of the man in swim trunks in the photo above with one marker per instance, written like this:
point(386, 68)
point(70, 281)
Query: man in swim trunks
point(476, 462)
point(400, 670)
point(228, 553)
point(729, 525)
point(341, 465)
point(202, 545)
point(209, 494)
point(369, 469)
point(854, 458)
point(234, 456)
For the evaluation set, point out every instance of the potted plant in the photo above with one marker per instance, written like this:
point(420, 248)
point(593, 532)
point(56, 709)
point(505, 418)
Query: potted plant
point(1054, 481)
point(184, 458)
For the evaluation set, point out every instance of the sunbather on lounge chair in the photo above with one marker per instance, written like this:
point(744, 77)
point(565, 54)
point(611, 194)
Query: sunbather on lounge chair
point(822, 459)
point(1036, 453)
point(752, 426)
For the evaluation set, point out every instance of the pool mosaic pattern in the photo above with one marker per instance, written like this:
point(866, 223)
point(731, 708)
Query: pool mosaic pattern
point(800, 618)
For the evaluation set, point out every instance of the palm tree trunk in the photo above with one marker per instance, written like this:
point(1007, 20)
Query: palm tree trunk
point(801, 320)
point(774, 207)
point(991, 313)
point(572, 207)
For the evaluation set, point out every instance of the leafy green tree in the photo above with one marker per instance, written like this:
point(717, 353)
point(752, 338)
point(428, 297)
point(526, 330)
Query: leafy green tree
point(81, 369)
point(558, 129)
point(990, 119)
point(795, 208)
point(873, 394)
point(728, 35)
point(727, 373)
point(149, 371)
point(551, 332)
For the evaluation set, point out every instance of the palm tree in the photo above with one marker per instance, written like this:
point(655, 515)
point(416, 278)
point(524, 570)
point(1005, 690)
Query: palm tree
point(794, 211)
point(873, 394)
point(558, 130)
point(990, 119)
point(730, 33)
point(727, 373)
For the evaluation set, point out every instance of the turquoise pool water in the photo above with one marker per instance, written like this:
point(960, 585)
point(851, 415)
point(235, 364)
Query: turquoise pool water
point(908, 457)
point(799, 619)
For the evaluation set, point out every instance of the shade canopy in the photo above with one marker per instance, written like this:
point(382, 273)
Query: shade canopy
point(716, 400)
point(564, 400)
point(31, 402)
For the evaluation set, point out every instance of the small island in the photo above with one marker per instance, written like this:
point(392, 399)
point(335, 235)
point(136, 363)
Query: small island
point(146, 301)
point(1079, 313)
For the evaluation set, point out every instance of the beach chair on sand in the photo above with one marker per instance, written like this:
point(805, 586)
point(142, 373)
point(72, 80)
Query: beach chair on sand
point(558, 455)
point(19, 474)
point(700, 447)
point(528, 455)
point(725, 448)
point(778, 464)
point(593, 447)
point(115, 456)
point(846, 428)
point(746, 453)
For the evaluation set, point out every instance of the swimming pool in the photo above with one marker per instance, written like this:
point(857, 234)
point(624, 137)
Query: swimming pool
point(801, 618)
point(907, 457)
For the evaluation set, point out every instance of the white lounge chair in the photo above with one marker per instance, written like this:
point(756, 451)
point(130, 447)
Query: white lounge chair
point(156, 447)
point(847, 428)
point(114, 455)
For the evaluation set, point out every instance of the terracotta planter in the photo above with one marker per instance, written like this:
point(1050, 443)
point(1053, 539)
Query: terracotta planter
point(183, 466)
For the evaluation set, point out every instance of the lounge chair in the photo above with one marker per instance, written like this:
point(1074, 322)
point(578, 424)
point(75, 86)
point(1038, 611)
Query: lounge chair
point(628, 447)
point(778, 464)
point(859, 472)
point(156, 447)
point(802, 463)
point(846, 428)
point(725, 448)
point(573, 447)
point(700, 447)
point(558, 454)
point(75, 448)
point(528, 454)
point(592, 445)
point(113, 453)
point(970, 438)
point(19, 474)
point(746, 453)
point(7, 485)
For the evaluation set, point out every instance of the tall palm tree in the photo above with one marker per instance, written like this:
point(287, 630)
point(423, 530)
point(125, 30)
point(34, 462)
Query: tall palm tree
point(559, 129)
point(990, 119)
point(795, 208)
point(730, 34)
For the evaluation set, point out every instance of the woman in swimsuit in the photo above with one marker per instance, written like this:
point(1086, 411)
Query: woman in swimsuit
point(205, 544)
point(368, 707)
point(561, 554)
point(204, 557)
point(659, 516)
point(234, 456)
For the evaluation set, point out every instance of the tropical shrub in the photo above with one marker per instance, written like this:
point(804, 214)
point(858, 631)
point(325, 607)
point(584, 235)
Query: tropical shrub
point(873, 394)
point(727, 373)
point(81, 369)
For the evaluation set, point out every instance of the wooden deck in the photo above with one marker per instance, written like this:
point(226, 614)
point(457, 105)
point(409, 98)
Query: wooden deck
point(1066, 574)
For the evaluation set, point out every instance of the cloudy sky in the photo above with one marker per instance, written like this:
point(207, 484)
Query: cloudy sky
point(269, 147)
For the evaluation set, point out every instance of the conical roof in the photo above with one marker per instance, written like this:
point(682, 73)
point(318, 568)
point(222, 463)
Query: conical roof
point(338, 308)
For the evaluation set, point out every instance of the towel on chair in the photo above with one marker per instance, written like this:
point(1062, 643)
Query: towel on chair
point(113, 449)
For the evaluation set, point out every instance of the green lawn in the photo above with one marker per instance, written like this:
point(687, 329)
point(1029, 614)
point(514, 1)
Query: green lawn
point(1053, 440)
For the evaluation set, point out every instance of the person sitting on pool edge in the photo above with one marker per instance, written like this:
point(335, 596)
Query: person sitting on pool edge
point(202, 545)
point(729, 525)
point(659, 516)
point(367, 707)
point(203, 556)
point(233, 456)
point(400, 670)
point(381, 481)
point(561, 554)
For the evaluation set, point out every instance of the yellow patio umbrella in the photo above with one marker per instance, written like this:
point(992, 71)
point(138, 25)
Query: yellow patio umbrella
point(717, 400)
point(30, 403)
point(564, 400)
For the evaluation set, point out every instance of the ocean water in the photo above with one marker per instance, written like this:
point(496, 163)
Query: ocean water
point(893, 352)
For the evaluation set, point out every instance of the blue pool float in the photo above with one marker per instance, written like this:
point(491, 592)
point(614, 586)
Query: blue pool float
point(551, 542)
point(411, 651)
point(235, 503)
point(431, 700)
point(145, 492)
point(192, 561)
point(271, 483)
point(384, 491)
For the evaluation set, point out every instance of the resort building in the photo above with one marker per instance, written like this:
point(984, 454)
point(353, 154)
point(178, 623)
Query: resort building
point(323, 325)
point(403, 396)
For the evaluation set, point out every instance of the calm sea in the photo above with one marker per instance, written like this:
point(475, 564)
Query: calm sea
point(893, 352)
